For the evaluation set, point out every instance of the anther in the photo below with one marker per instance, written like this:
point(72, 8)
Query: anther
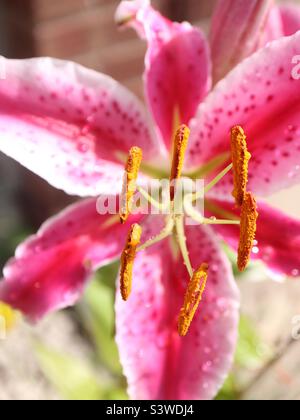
point(240, 160)
point(127, 259)
point(180, 145)
point(192, 299)
point(249, 217)
point(129, 183)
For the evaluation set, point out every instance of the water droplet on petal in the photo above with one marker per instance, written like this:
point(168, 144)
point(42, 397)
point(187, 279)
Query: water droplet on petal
point(207, 366)
point(82, 147)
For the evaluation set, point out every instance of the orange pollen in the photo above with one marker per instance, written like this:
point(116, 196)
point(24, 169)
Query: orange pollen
point(240, 160)
point(180, 146)
point(127, 259)
point(249, 217)
point(129, 183)
point(192, 299)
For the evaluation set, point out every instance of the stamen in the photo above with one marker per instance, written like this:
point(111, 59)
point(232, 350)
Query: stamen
point(212, 183)
point(129, 184)
point(180, 145)
point(209, 167)
point(192, 299)
point(240, 159)
point(127, 259)
point(199, 218)
point(249, 217)
point(163, 206)
point(181, 240)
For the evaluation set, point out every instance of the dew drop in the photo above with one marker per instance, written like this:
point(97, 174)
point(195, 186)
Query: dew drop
point(295, 272)
point(213, 268)
point(255, 250)
point(207, 366)
point(82, 147)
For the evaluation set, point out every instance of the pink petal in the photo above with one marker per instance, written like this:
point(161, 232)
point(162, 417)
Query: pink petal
point(274, 26)
point(67, 124)
point(290, 15)
point(177, 75)
point(51, 268)
point(262, 96)
point(237, 30)
point(157, 362)
point(278, 239)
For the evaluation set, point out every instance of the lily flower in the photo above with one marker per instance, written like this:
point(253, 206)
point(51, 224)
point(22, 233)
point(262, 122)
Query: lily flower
point(74, 128)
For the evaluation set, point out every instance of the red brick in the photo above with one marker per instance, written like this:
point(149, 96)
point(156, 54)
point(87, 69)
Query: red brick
point(195, 10)
point(121, 61)
point(49, 9)
point(79, 33)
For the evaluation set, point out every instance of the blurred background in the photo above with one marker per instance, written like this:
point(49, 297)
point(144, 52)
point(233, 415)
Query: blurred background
point(71, 355)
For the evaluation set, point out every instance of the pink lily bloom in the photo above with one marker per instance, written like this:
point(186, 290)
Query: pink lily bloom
point(240, 28)
point(72, 126)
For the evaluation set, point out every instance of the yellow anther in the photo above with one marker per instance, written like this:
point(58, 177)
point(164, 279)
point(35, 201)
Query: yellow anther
point(240, 160)
point(8, 318)
point(127, 259)
point(192, 299)
point(180, 145)
point(129, 183)
point(249, 217)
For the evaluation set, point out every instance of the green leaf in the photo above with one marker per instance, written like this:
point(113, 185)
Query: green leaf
point(73, 378)
point(98, 316)
point(228, 391)
point(248, 353)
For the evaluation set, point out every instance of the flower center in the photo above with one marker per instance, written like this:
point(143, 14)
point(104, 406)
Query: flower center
point(179, 205)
